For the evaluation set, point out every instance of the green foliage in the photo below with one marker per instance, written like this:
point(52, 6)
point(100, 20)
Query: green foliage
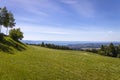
point(3, 17)
point(104, 50)
point(110, 50)
point(1, 37)
point(11, 20)
point(16, 34)
point(0, 17)
point(90, 50)
point(43, 45)
point(9, 45)
point(53, 46)
point(6, 19)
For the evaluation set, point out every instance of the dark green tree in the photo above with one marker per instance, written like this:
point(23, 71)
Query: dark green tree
point(3, 17)
point(102, 47)
point(112, 51)
point(118, 51)
point(11, 22)
point(43, 45)
point(102, 50)
point(6, 19)
point(16, 34)
point(0, 19)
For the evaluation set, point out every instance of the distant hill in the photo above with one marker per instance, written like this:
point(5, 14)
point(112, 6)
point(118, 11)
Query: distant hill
point(74, 44)
point(94, 45)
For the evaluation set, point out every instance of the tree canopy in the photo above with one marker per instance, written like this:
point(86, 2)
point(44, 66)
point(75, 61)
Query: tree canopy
point(16, 34)
point(6, 19)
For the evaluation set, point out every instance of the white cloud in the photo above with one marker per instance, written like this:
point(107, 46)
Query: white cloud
point(70, 1)
point(83, 7)
point(25, 19)
point(110, 32)
point(44, 30)
point(30, 6)
point(38, 32)
point(39, 7)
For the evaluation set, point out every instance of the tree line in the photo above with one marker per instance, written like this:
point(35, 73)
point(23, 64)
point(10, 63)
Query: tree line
point(52, 46)
point(107, 50)
point(111, 50)
point(7, 20)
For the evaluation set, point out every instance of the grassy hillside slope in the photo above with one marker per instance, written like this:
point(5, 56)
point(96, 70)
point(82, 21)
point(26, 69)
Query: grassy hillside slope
point(37, 63)
point(9, 45)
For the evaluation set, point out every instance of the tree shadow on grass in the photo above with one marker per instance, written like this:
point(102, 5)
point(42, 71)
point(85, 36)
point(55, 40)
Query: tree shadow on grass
point(22, 43)
point(6, 46)
point(6, 49)
point(17, 45)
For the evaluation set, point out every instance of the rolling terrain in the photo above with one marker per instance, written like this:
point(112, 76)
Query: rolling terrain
point(38, 63)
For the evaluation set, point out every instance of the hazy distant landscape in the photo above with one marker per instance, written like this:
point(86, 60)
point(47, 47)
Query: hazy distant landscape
point(77, 45)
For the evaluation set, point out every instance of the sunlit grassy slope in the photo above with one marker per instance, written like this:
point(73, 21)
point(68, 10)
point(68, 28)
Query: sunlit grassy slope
point(9, 45)
point(37, 63)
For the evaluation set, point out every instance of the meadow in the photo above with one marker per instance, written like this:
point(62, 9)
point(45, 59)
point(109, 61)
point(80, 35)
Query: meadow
point(38, 63)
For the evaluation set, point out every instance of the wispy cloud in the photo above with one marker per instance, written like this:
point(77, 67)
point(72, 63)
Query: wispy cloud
point(70, 1)
point(30, 6)
point(40, 32)
point(24, 19)
point(110, 32)
point(44, 30)
point(83, 7)
point(39, 7)
point(54, 30)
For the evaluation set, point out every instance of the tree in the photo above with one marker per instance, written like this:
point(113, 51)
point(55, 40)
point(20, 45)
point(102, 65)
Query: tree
point(0, 19)
point(11, 22)
point(102, 47)
point(118, 51)
point(16, 34)
point(6, 21)
point(43, 45)
point(103, 50)
point(4, 17)
point(1, 37)
point(112, 51)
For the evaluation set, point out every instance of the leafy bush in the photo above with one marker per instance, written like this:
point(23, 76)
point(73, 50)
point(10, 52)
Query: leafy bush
point(16, 34)
point(111, 50)
point(1, 36)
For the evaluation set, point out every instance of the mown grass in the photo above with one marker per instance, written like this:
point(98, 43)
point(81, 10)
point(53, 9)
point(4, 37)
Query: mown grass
point(37, 63)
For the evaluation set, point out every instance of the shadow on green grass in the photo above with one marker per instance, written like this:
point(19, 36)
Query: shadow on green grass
point(6, 49)
point(17, 45)
point(10, 45)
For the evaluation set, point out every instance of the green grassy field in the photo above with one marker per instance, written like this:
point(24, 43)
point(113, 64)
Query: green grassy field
point(37, 63)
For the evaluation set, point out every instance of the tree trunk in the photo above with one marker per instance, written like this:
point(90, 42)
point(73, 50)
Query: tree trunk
point(0, 28)
point(7, 31)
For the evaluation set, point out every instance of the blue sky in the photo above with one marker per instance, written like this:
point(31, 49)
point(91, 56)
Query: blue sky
point(67, 20)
